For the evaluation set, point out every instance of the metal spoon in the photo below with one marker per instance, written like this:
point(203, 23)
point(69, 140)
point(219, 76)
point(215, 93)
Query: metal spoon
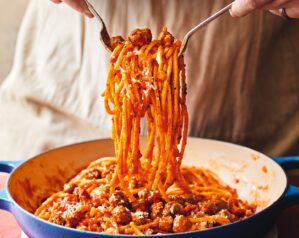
point(104, 35)
point(200, 25)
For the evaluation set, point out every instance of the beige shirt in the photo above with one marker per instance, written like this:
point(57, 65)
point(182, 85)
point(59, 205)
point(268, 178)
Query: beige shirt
point(242, 75)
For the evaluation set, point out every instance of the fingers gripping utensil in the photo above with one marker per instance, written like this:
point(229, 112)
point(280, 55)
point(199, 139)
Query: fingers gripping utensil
point(199, 26)
point(104, 35)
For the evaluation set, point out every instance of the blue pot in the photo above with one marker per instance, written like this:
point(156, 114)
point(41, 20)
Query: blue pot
point(260, 180)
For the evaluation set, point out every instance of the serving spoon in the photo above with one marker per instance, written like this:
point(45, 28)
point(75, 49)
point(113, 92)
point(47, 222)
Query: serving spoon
point(106, 39)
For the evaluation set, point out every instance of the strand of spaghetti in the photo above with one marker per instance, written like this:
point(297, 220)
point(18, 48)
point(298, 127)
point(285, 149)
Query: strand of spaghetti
point(150, 46)
point(220, 219)
point(175, 89)
point(135, 228)
point(121, 55)
point(143, 227)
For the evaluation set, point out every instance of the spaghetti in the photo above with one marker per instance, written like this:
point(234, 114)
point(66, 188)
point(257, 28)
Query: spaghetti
point(150, 192)
point(147, 79)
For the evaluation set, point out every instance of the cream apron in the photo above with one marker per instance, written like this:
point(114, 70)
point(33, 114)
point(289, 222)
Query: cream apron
point(242, 74)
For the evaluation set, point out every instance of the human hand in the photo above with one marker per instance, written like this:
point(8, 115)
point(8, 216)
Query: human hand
point(241, 8)
point(78, 5)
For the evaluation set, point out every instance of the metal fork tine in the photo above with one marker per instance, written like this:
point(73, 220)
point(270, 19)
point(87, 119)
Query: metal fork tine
point(104, 35)
point(200, 25)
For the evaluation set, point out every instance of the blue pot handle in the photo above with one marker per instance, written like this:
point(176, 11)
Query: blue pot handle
point(7, 167)
point(291, 196)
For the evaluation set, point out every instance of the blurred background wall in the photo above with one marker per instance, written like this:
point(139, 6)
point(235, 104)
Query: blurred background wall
point(11, 14)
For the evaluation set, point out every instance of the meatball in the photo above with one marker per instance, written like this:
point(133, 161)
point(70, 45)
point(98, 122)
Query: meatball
point(143, 193)
point(139, 205)
point(115, 41)
point(212, 208)
point(140, 218)
point(172, 208)
point(193, 199)
point(58, 220)
point(98, 196)
point(121, 215)
point(156, 209)
point(140, 37)
point(178, 199)
point(166, 37)
point(154, 196)
point(118, 198)
point(181, 224)
point(74, 214)
point(165, 223)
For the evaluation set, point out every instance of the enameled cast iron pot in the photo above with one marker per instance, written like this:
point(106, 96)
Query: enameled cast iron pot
point(256, 177)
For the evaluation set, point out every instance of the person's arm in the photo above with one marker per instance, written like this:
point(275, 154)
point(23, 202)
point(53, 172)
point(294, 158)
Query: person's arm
point(241, 8)
point(78, 5)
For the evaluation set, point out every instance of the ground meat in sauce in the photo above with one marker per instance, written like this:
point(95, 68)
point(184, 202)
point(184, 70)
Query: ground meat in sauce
point(75, 214)
point(116, 40)
point(181, 224)
point(118, 198)
point(121, 215)
point(140, 217)
point(172, 208)
point(214, 207)
point(165, 223)
point(156, 209)
point(154, 196)
point(58, 220)
point(98, 196)
point(139, 205)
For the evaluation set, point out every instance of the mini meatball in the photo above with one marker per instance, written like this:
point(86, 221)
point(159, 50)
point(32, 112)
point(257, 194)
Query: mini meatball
point(140, 37)
point(58, 220)
point(212, 208)
point(193, 199)
point(140, 218)
point(154, 196)
point(177, 199)
point(165, 223)
point(118, 198)
point(181, 224)
point(172, 208)
point(156, 209)
point(115, 41)
point(143, 193)
point(98, 197)
point(121, 215)
point(74, 214)
point(140, 205)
